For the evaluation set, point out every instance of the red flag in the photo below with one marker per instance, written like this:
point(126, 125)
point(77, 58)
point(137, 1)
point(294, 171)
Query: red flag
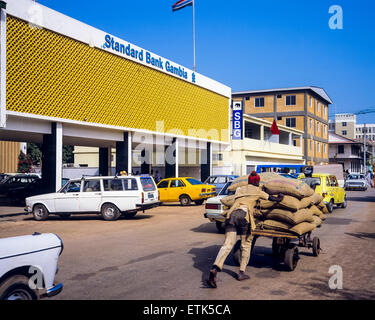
point(274, 128)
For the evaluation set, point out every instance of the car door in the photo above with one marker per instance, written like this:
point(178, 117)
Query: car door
point(163, 188)
point(176, 189)
point(334, 188)
point(67, 200)
point(90, 197)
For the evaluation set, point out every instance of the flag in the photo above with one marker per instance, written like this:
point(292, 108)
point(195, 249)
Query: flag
point(275, 133)
point(182, 4)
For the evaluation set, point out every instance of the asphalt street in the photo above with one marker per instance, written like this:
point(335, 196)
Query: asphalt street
point(166, 253)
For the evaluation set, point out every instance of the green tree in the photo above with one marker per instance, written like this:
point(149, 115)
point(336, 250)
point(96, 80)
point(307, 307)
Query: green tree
point(24, 163)
point(68, 155)
point(34, 152)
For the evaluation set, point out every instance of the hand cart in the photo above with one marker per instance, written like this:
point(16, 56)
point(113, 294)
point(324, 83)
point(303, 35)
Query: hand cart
point(284, 246)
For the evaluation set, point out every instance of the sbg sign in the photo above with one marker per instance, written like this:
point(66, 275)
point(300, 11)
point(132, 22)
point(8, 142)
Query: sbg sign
point(237, 120)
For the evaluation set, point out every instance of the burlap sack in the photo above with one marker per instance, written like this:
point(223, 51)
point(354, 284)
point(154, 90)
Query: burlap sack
point(239, 182)
point(315, 211)
point(268, 176)
point(325, 210)
point(228, 200)
point(303, 228)
point(307, 202)
point(317, 221)
point(292, 218)
point(276, 225)
point(290, 202)
point(266, 204)
point(317, 198)
point(323, 207)
point(244, 191)
point(323, 216)
point(292, 187)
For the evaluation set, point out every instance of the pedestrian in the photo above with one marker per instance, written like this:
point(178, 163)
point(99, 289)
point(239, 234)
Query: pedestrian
point(369, 180)
point(240, 221)
point(157, 176)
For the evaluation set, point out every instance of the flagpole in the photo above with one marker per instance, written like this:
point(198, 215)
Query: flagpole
point(194, 67)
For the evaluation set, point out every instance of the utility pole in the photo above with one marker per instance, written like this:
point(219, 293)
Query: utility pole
point(364, 148)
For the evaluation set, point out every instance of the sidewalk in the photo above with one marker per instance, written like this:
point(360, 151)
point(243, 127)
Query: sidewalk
point(6, 210)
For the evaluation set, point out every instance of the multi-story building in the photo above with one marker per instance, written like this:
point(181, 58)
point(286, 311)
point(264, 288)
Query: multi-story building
point(302, 108)
point(344, 125)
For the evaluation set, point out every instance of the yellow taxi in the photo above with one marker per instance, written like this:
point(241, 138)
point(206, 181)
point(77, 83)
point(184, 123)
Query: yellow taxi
point(184, 190)
point(327, 185)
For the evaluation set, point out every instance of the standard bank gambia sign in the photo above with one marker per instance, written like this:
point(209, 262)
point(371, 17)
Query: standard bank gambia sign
point(237, 120)
point(126, 49)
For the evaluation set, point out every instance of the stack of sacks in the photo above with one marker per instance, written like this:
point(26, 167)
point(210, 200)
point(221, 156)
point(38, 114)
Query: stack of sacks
point(301, 211)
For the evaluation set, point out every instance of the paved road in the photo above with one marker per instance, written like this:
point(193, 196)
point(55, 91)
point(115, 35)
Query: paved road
point(166, 254)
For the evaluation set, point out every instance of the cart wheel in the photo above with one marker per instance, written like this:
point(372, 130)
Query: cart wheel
point(237, 253)
point(291, 258)
point(316, 246)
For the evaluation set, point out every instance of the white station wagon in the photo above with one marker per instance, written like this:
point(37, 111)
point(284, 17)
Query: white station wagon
point(108, 196)
point(28, 265)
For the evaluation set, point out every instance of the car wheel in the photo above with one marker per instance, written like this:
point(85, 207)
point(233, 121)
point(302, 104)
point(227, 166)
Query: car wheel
point(344, 204)
point(17, 288)
point(199, 202)
point(185, 200)
point(110, 212)
point(40, 212)
point(330, 206)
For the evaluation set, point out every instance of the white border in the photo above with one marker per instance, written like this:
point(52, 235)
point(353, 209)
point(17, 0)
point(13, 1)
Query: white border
point(64, 25)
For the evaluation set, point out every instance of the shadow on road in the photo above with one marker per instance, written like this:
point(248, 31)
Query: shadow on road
point(320, 288)
point(362, 235)
point(339, 221)
point(205, 228)
point(361, 199)
point(89, 218)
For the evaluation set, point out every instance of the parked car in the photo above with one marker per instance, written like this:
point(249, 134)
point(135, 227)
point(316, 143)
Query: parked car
point(327, 186)
point(214, 208)
point(184, 190)
point(18, 195)
point(18, 181)
point(108, 196)
point(28, 266)
point(356, 182)
point(219, 181)
point(3, 176)
point(289, 175)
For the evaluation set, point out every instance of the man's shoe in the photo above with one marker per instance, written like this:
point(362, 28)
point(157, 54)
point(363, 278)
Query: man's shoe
point(242, 276)
point(211, 281)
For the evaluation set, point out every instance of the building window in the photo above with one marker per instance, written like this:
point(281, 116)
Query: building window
point(311, 102)
point(318, 126)
point(247, 98)
point(325, 110)
point(325, 148)
point(279, 118)
point(310, 145)
point(318, 147)
point(325, 129)
point(318, 107)
point(344, 132)
point(279, 96)
point(290, 100)
point(290, 122)
point(311, 123)
point(344, 124)
point(340, 148)
point(259, 102)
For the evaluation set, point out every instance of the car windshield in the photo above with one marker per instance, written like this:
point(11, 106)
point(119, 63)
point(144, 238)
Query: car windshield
point(193, 181)
point(311, 181)
point(225, 191)
point(355, 177)
point(148, 184)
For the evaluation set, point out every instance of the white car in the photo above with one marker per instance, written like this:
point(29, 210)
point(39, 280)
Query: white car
point(356, 182)
point(28, 265)
point(214, 208)
point(108, 196)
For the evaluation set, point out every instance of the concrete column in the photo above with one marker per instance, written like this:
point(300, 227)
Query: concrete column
point(123, 154)
point(171, 159)
point(290, 139)
point(52, 158)
point(206, 162)
point(105, 161)
point(262, 133)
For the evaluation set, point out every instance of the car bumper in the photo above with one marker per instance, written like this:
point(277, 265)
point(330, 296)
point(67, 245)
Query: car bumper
point(53, 291)
point(207, 194)
point(214, 217)
point(146, 206)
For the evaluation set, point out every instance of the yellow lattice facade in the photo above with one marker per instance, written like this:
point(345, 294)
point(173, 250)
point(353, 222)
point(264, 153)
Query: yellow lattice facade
point(51, 75)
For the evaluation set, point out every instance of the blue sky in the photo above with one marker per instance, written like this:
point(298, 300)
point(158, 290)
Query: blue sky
point(251, 45)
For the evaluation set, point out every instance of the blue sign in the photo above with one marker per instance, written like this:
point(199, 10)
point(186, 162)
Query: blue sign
point(237, 121)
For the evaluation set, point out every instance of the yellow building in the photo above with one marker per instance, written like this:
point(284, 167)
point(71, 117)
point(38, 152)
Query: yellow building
point(9, 152)
point(301, 108)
